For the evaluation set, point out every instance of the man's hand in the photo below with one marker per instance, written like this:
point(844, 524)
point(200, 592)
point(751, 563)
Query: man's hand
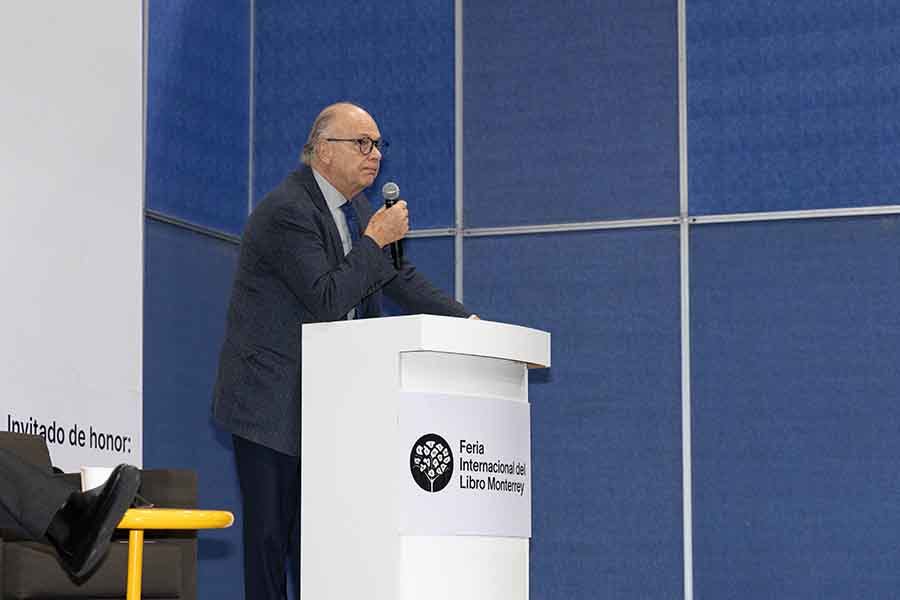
point(389, 224)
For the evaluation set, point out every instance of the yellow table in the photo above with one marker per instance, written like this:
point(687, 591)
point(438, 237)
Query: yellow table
point(136, 520)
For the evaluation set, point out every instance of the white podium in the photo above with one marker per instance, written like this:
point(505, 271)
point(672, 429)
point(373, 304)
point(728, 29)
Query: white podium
point(416, 474)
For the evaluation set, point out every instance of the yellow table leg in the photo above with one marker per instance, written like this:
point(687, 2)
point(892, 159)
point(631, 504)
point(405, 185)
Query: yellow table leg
point(135, 563)
point(137, 520)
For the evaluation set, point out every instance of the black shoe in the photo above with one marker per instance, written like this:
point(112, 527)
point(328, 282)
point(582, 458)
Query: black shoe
point(82, 529)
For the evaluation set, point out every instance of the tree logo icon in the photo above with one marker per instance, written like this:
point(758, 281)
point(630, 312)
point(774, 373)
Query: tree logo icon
point(431, 462)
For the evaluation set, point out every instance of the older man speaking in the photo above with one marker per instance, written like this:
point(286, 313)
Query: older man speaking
point(312, 251)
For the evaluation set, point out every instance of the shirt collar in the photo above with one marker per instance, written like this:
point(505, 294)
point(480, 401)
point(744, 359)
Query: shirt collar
point(333, 198)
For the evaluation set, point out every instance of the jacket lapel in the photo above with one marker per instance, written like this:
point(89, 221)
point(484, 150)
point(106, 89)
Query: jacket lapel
point(371, 305)
point(333, 244)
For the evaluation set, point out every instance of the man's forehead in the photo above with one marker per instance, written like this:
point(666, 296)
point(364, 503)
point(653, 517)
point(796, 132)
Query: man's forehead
point(356, 122)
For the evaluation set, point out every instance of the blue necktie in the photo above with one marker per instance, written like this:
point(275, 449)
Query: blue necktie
point(352, 222)
point(353, 226)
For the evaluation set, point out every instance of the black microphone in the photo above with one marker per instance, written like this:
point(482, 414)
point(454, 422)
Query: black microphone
point(391, 193)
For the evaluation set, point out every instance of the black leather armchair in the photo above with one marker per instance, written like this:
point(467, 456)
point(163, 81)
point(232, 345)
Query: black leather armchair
point(29, 568)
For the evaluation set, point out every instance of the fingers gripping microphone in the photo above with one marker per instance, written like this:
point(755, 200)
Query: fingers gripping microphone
point(391, 193)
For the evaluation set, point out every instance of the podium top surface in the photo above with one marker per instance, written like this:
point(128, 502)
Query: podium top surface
point(445, 334)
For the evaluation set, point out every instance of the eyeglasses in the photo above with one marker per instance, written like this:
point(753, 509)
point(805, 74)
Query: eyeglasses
point(365, 143)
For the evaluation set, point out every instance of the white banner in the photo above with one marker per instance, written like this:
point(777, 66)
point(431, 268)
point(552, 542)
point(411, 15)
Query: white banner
point(71, 227)
point(465, 466)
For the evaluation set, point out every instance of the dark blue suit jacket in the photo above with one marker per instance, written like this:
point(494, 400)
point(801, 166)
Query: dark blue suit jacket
point(292, 270)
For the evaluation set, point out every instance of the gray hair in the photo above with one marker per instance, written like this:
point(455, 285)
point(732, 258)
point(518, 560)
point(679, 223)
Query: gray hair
point(322, 122)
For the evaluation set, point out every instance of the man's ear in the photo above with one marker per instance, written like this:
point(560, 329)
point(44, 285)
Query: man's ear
point(324, 152)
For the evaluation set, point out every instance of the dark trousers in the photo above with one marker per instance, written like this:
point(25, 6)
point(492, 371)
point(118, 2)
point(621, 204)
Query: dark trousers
point(29, 496)
point(270, 491)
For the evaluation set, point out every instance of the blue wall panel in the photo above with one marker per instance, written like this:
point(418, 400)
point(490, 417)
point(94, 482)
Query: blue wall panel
point(606, 418)
point(187, 287)
point(395, 58)
point(434, 258)
point(795, 335)
point(570, 111)
point(793, 105)
point(197, 111)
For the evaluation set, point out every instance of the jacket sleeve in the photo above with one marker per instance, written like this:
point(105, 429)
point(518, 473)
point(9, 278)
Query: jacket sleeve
point(410, 289)
point(297, 245)
point(416, 294)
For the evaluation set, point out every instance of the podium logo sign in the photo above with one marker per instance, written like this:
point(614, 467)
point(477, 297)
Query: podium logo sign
point(475, 451)
point(431, 462)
